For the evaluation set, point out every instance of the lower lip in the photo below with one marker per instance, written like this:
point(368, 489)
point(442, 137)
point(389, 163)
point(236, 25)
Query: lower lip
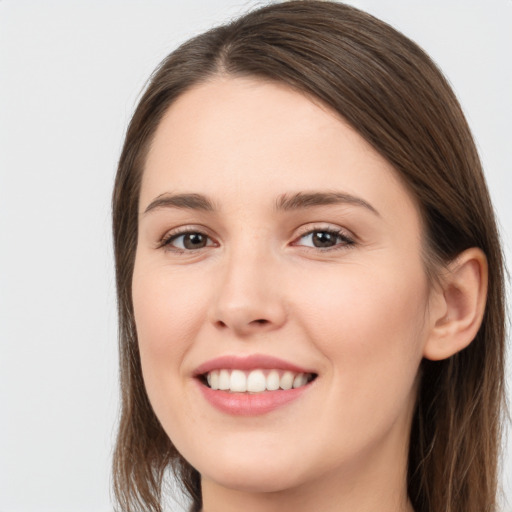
point(250, 404)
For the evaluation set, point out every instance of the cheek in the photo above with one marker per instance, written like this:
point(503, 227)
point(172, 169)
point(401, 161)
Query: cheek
point(368, 322)
point(165, 308)
point(167, 314)
point(167, 311)
point(370, 329)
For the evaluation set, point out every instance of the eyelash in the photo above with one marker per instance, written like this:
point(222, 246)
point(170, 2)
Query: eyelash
point(166, 242)
point(346, 241)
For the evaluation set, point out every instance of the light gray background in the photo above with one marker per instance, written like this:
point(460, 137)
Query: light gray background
point(70, 74)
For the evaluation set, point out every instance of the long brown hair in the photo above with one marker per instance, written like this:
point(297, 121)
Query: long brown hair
point(390, 91)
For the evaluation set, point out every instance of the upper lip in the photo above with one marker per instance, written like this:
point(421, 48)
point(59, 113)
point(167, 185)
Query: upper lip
point(248, 363)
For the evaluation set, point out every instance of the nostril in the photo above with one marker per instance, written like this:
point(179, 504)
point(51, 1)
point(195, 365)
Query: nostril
point(261, 321)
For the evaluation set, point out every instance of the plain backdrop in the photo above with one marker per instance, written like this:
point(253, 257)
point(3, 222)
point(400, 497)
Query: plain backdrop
point(70, 75)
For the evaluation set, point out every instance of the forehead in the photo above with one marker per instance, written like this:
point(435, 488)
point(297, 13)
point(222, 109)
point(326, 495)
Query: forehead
point(241, 139)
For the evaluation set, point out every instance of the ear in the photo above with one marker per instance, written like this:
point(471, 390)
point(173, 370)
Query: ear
point(457, 305)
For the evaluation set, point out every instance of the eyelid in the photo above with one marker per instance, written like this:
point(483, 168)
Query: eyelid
point(169, 236)
point(349, 239)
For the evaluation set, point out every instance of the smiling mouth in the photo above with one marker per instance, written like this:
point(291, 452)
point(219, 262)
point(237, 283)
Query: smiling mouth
point(255, 381)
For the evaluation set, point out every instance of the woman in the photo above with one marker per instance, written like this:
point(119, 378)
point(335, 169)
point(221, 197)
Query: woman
point(309, 276)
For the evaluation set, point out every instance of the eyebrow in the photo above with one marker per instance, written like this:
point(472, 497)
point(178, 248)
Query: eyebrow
point(285, 202)
point(302, 200)
point(186, 201)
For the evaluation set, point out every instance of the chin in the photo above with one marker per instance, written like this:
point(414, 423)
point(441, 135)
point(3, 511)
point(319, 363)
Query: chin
point(253, 475)
point(253, 480)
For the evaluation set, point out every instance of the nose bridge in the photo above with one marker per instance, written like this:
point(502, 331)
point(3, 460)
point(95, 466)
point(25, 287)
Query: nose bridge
point(247, 298)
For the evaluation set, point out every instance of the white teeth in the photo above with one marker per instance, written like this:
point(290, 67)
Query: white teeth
point(286, 381)
point(273, 380)
point(255, 381)
point(214, 379)
point(224, 380)
point(238, 381)
point(299, 380)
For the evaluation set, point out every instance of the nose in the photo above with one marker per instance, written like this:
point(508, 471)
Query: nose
point(248, 299)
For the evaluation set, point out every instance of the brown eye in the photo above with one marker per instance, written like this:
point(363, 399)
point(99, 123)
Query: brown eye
point(194, 241)
point(324, 239)
point(188, 241)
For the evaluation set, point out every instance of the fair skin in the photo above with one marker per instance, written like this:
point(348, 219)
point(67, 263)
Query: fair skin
point(334, 283)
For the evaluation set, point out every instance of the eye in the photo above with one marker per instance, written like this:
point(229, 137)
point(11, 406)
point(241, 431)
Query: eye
point(187, 241)
point(324, 239)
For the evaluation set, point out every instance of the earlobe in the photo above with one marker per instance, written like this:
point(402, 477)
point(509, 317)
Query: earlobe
point(462, 295)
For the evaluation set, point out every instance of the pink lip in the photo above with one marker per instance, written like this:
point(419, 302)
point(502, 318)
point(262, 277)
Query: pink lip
point(248, 363)
point(249, 404)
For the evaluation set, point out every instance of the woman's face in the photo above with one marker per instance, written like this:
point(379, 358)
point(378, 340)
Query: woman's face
point(276, 245)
